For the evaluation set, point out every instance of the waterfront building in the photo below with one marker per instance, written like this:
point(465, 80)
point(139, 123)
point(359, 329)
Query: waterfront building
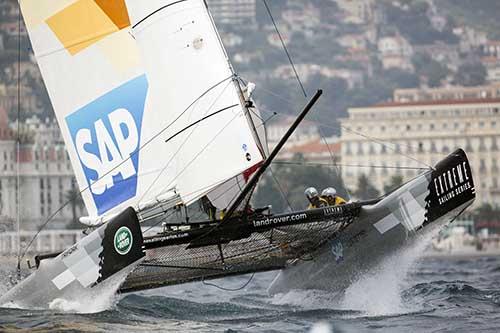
point(447, 93)
point(45, 174)
point(396, 138)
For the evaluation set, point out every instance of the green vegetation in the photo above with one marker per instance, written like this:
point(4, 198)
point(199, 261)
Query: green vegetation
point(414, 24)
point(470, 74)
point(75, 199)
point(427, 67)
point(479, 14)
point(365, 189)
point(486, 213)
point(394, 182)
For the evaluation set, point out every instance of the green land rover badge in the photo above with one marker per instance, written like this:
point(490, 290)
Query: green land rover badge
point(123, 240)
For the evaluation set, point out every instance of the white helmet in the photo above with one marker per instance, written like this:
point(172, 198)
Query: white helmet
point(311, 192)
point(329, 192)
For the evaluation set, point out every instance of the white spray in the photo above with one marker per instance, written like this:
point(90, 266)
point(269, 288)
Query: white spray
point(100, 298)
point(379, 291)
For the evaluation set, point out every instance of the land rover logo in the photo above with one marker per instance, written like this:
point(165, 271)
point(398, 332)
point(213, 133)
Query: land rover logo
point(123, 240)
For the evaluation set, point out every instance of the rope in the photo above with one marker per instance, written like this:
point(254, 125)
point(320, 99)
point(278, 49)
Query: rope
point(50, 218)
point(285, 48)
point(182, 145)
point(350, 165)
point(280, 189)
point(228, 289)
point(376, 140)
point(18, 145)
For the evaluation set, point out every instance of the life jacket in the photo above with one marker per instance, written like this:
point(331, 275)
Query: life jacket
point(335, 201)
point(322, 203)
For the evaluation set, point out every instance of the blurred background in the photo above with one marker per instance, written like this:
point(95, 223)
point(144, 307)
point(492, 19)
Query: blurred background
point(405, 83)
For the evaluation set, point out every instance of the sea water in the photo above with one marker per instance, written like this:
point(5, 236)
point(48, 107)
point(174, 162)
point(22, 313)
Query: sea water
point(404, 294)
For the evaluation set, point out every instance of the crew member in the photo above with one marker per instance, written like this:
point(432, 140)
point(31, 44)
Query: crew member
point(208, 208)
point(330, 195)
point(315, 201)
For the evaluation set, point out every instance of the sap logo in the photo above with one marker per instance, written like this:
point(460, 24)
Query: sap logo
point(112, 159)
point(106, 135)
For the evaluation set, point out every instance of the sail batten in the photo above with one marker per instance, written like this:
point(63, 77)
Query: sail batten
point(183, 57)
point(123, 77)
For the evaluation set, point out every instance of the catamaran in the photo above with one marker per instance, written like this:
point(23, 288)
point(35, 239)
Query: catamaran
point(155, 120)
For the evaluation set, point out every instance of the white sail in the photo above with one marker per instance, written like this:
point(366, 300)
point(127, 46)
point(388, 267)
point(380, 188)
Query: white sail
point(92, 69)
point(190, 78)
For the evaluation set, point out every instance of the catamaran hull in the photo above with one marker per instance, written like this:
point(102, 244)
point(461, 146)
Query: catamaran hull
point(426, 203)
point(82, 269)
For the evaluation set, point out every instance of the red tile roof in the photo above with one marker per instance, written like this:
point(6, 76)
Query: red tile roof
point(316, 146)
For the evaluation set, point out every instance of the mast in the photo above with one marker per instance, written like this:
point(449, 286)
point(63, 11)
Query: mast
point(267, 162)
point(237, 84)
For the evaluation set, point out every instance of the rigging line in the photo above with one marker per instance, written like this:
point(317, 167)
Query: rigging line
point(121, 163)
point(321, 123)
point(379, 141)
point(285, 48)
point(182, 145)
point(351, 165)
point(387, 146)
point(180, 267)
point(232, 186)
point(228, 289)
point(18, 144)
point(209, 186)
point(251, 109)
point(164, 218)
point(337, 169)
point(203, 149)
point(237, 183)
point(281, 189)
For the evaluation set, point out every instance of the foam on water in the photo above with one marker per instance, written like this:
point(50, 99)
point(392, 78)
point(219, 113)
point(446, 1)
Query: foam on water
point(307, 299)
point(92, 300)
point(379, 292)
point(375, 293)
point(321, 327)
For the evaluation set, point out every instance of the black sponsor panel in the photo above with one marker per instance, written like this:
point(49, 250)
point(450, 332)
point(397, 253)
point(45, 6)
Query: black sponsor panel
point(122, 244)
point(451, 186)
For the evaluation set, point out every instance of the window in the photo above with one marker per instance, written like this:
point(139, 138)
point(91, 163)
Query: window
point(494, 146)
point(494, 166)
point(482, 146)
point(468, 146)
point(482, 165)
point(433, 147)
point(360, 148)
point(348, 148)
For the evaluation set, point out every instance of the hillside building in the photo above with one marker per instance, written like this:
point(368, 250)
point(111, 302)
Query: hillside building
point(241, 12)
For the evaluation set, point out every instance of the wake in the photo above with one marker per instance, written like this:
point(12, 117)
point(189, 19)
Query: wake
point(378, 292)
point(83, 301)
